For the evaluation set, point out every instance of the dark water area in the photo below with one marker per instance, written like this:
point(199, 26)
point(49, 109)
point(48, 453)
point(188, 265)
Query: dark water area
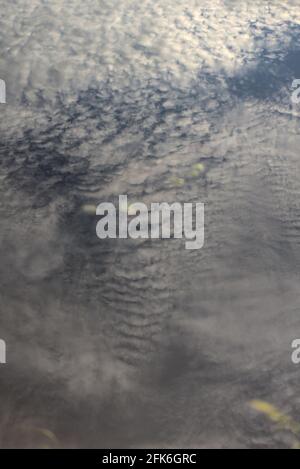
point(142, 343)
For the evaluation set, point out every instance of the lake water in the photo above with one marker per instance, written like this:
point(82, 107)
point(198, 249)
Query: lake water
point(142, 343)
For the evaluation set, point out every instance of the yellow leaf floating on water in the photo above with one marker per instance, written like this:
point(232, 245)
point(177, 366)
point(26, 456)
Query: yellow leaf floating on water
point(34, 431)
point(89, 209)
point(198, 168)
point(48, 434)
point(275, 415)
point(176, 181)
point(131, 210)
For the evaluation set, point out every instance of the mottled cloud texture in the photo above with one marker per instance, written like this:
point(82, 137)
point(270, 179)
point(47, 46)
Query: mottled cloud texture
point(70, 45)
point(124, 343)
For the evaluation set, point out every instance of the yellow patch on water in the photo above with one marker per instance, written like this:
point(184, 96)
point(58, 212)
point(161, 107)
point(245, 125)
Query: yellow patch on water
point(176, 181)
point(198, 168)
point(48, 434)
point(131, 210)
point(89, 209)
point(275, 415)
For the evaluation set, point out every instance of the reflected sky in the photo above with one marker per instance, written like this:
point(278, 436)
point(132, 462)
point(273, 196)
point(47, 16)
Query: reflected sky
point(141, 343)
